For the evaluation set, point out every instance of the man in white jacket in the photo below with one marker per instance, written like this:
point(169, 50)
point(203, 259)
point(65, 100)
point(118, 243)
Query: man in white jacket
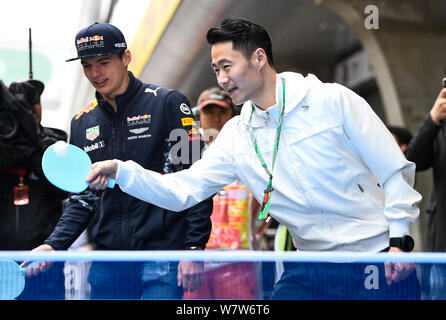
point(315, 154)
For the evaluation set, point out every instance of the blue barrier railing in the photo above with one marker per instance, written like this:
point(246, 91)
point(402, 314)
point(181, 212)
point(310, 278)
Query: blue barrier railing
point(227, 255)
point(231, 274)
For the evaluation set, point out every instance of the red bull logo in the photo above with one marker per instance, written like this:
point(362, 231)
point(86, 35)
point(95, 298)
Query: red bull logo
point(142, 119)
point(192, 131)
point(96, 38)
point(82, 40)
point(197, 137)
point(136, 118)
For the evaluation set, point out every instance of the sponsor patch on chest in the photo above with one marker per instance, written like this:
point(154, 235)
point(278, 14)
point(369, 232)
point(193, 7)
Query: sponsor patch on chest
point(92, 133)
point(94, 146)
point(139, 133)
point(139, 130)
point(137, 120)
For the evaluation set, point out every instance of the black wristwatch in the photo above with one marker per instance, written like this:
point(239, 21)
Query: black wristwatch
point(405, 243)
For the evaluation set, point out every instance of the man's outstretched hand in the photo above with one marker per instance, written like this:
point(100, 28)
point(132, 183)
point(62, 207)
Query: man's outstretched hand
point(100, 173)
point(397, 271)
point(38, 266)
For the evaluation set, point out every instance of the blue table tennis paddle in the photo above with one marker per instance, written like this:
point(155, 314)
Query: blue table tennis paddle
point(66, 166)
point(12, 279)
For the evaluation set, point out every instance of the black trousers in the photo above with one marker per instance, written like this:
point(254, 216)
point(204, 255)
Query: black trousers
point(343, 281)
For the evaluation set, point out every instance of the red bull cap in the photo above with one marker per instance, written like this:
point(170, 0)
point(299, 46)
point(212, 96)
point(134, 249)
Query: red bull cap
point(99, 39)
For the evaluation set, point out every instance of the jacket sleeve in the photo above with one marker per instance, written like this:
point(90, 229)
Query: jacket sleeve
point(380, 152)
point(77, 213)
point(421, 148)
point(184, 147)
point(183, 189)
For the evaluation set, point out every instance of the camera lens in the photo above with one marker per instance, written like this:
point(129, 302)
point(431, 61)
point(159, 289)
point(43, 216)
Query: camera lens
point(8, 125)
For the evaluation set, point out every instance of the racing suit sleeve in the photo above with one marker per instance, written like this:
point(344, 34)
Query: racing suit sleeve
point(184, 146)
point(421, 148)
point(76, 215)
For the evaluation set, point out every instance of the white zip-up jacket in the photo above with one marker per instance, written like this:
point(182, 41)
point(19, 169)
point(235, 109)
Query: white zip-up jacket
point(340, 180)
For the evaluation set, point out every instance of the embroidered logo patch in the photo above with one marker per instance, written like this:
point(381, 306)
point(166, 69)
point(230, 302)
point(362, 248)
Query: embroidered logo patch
point(152, 91)
point(184, 108)
point(94, 146)
point(92, 133)
point(87, 108)
point(139, 130)
point(187, 121)
point(135, 120)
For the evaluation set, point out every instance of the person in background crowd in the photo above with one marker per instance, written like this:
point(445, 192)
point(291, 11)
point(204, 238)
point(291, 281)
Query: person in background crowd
point(427, 150)
point(232, 224)
point(30, 204)
point(402, 136)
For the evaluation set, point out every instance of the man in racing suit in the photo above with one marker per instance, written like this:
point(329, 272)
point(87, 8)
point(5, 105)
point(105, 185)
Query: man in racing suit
point(130, 120)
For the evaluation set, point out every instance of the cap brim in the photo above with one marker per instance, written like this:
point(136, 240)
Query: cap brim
point(214, 102)
point(72, 59)
point(90, 55)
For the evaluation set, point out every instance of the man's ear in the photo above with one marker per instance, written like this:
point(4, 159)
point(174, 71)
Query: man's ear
point(260, 58)
point(127, 57)
point(403, 147)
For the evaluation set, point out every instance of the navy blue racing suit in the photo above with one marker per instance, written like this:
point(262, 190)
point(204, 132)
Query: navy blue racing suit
point(147, 128)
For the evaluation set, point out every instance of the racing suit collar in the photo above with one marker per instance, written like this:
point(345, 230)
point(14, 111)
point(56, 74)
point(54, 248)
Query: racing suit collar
point(123, 99)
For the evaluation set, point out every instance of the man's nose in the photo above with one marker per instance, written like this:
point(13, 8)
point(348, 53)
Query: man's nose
point(222, 79)
point(95, 71)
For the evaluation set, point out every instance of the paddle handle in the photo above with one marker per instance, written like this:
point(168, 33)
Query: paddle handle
point(111, 183)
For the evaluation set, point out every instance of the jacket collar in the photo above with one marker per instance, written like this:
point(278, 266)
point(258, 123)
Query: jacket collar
point(296, 88)
point(121, 100)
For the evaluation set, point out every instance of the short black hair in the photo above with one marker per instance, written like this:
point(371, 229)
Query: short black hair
point(245, 35)
point(403, 135)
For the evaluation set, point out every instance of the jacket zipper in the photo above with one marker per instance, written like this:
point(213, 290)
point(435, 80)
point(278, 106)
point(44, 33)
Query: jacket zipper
point(123, 140)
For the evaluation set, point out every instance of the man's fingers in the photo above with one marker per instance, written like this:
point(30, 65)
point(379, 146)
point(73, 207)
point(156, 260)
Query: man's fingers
point(100, 173)
point(198, 281)
point(403, 270)
point(396, 272)
point(34, 270)
point(195, 281)
point(442, 104)
point(190, 275)
point(99, 183)
point(45, 266)
point(93, 174)
point(179, 277)
point(185, 283)
point(24, 263)
point(102, 182)
point(30, 270)
point(388, 272)
point(97, 169)
point(193, 284)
